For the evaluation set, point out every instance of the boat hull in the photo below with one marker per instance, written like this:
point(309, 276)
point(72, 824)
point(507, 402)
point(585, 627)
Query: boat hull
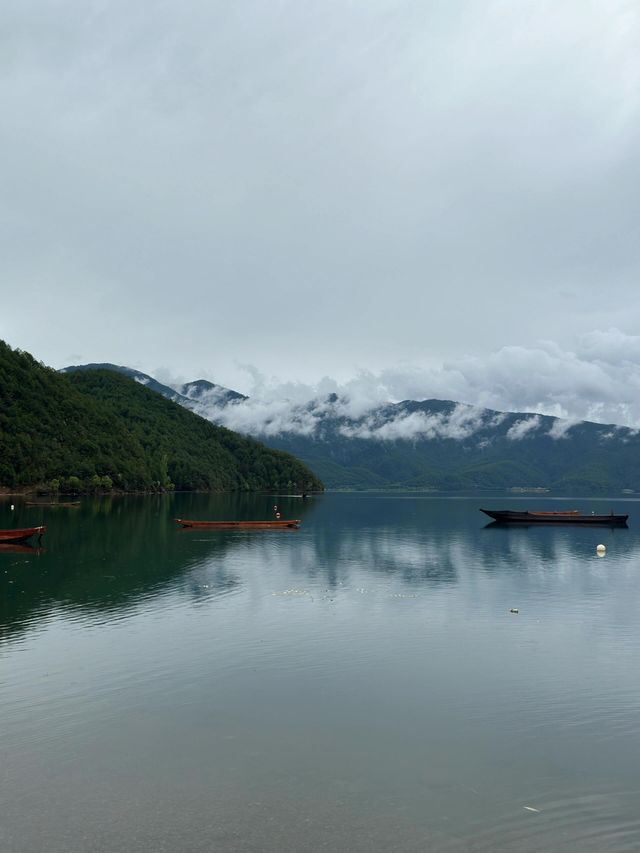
point(276, 524)
point(21, 534)
point(506, 516)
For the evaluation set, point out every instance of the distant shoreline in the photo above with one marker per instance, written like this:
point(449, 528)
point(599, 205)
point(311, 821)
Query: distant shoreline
point(34, 491)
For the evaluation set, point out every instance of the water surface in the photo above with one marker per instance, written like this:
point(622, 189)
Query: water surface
point(357, 685)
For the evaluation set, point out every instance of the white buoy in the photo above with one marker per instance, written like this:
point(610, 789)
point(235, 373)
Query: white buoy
point(601, 550)
point(12, 507)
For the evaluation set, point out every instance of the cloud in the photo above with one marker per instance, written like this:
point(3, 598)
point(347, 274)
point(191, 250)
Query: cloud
point(265, 417)
point(523, 428)
point(462, 423)
point(610, 347)
point(560, 428)
point(316, 187)
point(598, 379)
point(590, 382)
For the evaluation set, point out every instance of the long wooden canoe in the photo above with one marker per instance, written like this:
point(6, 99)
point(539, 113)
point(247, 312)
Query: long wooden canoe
point(572, 516)
point(21, 534)
point(53, 503)
point(275, 524)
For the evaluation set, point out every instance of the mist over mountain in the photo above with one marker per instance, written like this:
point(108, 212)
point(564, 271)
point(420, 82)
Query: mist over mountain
point(208, 393)
point(446, 445)
point(353, 441)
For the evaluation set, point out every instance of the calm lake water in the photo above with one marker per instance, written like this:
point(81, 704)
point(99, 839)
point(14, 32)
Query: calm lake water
point(356, 685)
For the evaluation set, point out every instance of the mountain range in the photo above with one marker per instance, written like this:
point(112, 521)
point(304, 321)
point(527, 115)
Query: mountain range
point(97, 430)
point(425, 444)
point(188, 395)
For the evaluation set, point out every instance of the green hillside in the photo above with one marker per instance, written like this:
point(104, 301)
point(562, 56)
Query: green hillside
point(99, 429)
point(589, 458)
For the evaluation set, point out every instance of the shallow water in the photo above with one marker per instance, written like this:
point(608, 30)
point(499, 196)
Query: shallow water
point(357, 685)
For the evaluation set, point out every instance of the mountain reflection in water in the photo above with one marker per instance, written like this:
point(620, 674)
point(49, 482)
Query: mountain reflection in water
point(117, 552)
point(357, 684)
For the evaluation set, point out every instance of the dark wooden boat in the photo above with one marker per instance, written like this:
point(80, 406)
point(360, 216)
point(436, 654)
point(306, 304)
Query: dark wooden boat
point(53, 503)
point(21, 534)
point(571, 516)
point(276, 524)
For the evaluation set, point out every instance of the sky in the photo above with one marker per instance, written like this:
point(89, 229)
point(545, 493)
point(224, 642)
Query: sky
point(391, 199)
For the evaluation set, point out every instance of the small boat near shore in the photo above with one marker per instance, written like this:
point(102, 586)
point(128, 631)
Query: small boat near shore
point(21, 534)
point(571, 516)
point(275, 524)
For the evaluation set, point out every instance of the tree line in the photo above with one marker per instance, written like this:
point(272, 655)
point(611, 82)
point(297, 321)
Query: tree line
point(97, 430)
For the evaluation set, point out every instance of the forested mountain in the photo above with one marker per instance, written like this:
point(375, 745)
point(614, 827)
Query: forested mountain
point(142, 378)
point(444, 445)
point(102, 429)
point(190, 395)
point(434, 444)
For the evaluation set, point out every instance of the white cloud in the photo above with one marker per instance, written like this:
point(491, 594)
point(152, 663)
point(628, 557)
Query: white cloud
point(461, 423)
point(589, 382)
point(523, 428)
point(611, 347)
point(560, 428)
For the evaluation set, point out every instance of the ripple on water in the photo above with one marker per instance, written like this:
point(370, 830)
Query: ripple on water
point(602, 822)
point(359, 685)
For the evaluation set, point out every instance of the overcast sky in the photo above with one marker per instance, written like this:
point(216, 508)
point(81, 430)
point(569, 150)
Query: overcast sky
point(433, 198)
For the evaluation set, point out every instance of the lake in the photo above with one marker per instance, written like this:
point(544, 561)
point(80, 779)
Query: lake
point(359, 684)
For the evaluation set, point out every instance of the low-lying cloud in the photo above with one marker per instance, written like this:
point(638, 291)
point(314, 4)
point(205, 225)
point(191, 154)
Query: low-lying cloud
point(461, 423)
point(599, 380)
point(523, 428)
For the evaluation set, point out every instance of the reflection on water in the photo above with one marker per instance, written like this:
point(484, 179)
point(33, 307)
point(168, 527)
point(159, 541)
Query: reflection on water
point(115, 551)
point(358, 684)
point(19, 548)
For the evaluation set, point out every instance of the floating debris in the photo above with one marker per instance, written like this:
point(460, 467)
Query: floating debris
point(531, 809)
point(292, 592)
point(515, 610)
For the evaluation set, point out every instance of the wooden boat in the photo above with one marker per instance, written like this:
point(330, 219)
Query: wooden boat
point(21, 534)
point(275, 524)
point(53, 503)
point(571, 516)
